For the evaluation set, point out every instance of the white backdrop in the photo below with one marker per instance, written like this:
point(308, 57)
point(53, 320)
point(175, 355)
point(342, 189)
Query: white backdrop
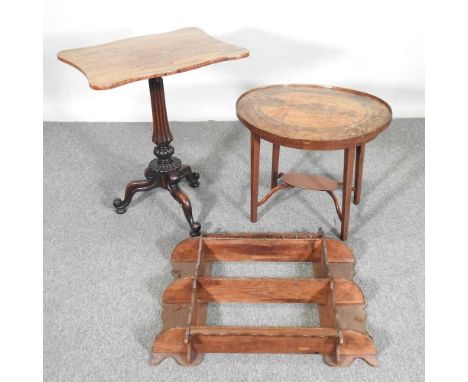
point(373, 46)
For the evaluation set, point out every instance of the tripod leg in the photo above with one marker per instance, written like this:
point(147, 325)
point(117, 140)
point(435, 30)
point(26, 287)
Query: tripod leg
point(184, 201)
point(132, 188)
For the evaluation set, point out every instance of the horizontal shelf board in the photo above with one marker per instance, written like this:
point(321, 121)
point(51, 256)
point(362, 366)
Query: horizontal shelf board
point(310, 182)
point(262, 331)
point(263, 340)
point(259, 290)
point(250, 248)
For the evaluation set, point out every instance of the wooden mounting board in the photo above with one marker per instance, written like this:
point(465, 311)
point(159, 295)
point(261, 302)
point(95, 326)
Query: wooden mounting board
point(341, 337)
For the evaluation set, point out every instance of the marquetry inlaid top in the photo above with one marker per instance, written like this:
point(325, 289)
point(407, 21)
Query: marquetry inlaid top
point(312, 116)
point(120, 62)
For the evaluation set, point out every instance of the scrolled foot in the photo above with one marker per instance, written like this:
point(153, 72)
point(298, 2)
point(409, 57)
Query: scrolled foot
point(120, 206)
point(180, 358)
point(196, 229)
point(192, 179)
point(132, 188)
point(347, 360)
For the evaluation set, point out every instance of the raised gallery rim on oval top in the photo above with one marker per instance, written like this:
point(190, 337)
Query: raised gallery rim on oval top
point(335, 111)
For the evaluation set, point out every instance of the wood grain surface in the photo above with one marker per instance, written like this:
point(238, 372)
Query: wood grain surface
point(313, 116)
point(120, 62)
point(264, 290)
point(340, 338)
point(266, 340)
point(310, 182)
point(261, 247)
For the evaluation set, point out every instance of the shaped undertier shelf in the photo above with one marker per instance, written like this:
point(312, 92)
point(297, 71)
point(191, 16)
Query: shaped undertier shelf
point(341, 337)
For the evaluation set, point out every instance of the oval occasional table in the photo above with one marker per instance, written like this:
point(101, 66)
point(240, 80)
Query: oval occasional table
point(151, 58)
point(312, 117)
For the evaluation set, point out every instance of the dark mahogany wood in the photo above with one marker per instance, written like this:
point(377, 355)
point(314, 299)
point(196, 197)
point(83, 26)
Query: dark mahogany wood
point(360, 151)
point(165, 171)
point(254, 173)
point(161, 132)
point(347, 189)
point(152, 57)
point(275, 164)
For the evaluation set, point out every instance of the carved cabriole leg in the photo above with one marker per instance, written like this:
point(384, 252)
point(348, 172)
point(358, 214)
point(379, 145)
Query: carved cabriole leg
point(192, 179)
point(360, 152)
point(170, 168)
point(254, 174)
point(186, 172)
point(347, 188)
point(165, 171)
point(132, 188)
point(184, 201)
point(274, 165)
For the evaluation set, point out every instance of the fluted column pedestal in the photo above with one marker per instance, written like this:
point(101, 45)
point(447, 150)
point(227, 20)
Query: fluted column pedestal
point(166, 170)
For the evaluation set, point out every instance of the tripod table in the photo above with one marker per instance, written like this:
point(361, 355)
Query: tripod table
point(150, 58)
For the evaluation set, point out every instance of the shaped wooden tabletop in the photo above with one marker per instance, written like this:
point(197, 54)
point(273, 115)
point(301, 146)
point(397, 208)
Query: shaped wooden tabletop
point(313, 116)
point(120, 62)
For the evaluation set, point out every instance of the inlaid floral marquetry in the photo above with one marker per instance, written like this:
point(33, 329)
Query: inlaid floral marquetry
point(312, 116)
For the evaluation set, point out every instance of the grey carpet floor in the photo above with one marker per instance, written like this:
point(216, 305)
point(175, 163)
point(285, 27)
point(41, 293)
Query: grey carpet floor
point(104, 273)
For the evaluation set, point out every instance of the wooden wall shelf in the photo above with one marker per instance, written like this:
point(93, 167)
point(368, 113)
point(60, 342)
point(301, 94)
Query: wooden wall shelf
point(185, 336)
